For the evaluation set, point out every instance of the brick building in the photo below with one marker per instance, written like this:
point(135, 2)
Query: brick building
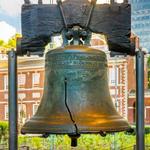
point(30, 87)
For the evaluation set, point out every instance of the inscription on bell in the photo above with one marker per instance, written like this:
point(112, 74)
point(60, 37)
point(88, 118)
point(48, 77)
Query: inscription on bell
point(75, 61)
point(77, 56)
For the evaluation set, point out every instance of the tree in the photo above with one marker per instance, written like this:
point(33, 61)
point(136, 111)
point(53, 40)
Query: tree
point(6, 46)
point(3, 132)
point(1, 42)
point(13, 40)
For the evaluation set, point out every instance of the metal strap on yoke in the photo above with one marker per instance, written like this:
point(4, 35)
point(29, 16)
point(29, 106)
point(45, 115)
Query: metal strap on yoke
point(93, 3)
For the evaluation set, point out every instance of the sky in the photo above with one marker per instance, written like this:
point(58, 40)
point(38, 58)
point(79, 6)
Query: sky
point(10, 16)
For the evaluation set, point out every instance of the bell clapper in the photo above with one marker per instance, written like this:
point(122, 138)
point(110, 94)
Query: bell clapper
point(74, 140)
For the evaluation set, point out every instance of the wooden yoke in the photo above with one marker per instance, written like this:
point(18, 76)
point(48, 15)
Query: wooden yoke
point(41, 21)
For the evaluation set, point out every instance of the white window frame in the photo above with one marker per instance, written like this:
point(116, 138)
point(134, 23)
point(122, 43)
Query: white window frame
point(6, 112)
point(36, 95)
point(35, 108)
point(35, 78)
point(21, 96)
point(21, 80)
point(113, 76)
point(5, 82)
point(20, 108)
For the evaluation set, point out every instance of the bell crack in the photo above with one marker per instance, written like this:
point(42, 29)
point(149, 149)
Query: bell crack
point(69, 111)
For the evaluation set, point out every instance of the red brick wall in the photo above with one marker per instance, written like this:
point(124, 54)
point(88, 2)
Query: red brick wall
point(132, 74)
point(2, 114)
point(26, 89)
point(131, 109)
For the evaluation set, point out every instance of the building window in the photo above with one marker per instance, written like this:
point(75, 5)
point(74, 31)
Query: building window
point(36, 95)
point(21, 111)
point(113, 76)
point(21, 80)
point(35, 79)
point(6, 112)
point(21, 96)
point(35, 107)
point(5, 82)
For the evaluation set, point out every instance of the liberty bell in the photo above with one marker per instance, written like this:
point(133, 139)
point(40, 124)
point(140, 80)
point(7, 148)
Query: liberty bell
point(76, 98)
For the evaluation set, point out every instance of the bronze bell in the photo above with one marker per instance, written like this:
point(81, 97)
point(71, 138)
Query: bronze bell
point(76, 97)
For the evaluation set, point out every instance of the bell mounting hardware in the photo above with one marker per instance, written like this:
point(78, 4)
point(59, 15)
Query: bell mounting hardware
point(41, 21)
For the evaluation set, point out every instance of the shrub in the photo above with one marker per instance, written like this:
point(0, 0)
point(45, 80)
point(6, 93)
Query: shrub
point(3, 132)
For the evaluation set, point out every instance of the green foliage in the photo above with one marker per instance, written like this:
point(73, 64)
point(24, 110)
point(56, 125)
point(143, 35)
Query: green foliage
point(3, 132)
point(96, 142)
point(36, 143)
point(147, 140)
point(115, 141)
point(12, 41)
point(148, 62)
point(1, 42)
point(5, 46)
point(147, 130)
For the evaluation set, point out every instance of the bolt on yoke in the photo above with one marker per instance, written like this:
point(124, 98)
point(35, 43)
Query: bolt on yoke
point(76, 36)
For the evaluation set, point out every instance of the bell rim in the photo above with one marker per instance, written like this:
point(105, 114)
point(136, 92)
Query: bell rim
point(90, 131)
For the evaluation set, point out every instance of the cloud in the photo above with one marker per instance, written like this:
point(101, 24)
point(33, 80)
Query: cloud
point(11, 7)
point(6, 31)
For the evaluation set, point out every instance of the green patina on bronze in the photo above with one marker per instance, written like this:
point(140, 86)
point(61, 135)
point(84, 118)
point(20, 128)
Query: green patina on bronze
point(88, 107)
